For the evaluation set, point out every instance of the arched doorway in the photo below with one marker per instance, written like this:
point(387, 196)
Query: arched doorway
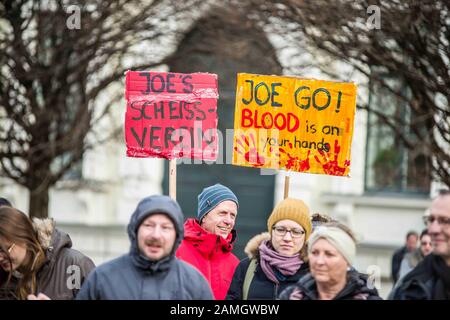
point(223, 43)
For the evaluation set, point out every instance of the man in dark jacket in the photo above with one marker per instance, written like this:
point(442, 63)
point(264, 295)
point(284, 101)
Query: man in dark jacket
point(150, 271)
point(430, 280)
point(411, 244)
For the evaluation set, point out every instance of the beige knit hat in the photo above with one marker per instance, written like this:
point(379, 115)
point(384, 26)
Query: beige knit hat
point(292, 209)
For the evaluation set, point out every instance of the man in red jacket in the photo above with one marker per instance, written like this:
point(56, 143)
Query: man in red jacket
point(208, 239)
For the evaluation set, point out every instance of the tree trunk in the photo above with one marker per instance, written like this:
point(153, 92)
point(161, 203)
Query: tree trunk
point(39, 202)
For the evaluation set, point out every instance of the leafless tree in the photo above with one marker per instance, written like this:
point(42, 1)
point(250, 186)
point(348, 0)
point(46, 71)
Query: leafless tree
point(54, 68)
point(406, 40)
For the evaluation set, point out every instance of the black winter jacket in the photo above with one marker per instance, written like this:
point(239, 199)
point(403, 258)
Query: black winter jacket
point(429, 280)
point(355, 289)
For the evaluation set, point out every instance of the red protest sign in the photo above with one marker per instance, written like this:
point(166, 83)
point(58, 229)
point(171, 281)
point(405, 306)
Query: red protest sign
point(171, 115)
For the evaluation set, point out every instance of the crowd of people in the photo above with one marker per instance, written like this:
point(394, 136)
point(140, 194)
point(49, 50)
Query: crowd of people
point(301, 256)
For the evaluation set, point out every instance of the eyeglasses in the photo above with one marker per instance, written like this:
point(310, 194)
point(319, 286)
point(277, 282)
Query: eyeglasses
point(442, 221)
point(295, 233)
point(8, 251)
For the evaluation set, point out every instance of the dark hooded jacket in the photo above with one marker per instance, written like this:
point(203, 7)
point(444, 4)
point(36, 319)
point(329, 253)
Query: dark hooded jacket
point(429, 280)
point(64, 269)
point(355, 289)
point(135, 277)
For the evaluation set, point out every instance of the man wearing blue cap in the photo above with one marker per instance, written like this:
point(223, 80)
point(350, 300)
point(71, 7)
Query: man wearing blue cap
point(208, 239)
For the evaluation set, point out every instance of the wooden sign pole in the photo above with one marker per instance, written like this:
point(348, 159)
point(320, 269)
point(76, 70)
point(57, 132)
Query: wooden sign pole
point(173, 179)
point(286, 186)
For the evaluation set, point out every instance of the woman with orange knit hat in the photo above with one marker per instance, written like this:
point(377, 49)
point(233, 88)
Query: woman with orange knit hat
point(276, 259)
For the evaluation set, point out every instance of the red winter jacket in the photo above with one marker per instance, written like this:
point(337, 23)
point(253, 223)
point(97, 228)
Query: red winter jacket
point(210, 254)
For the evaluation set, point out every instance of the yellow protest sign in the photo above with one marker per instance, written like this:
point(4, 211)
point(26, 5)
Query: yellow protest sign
point(294, 124)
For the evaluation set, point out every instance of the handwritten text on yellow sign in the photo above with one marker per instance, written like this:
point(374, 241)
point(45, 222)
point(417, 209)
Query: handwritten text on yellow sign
point(294, 124)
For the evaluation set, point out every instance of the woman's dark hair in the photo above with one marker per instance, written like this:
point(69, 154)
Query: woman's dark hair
point(318, 219)
point(17, 228)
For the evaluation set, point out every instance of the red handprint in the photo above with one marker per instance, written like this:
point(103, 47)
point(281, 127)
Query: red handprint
point(252, 156)
point(295, 163)
point(332, 167)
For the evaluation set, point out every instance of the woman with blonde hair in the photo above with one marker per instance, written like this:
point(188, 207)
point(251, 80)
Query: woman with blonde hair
point(331, 254)
point(36, 259)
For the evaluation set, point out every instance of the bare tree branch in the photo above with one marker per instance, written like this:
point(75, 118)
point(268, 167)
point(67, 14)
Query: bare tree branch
point(411, 45)
point(51, 78)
